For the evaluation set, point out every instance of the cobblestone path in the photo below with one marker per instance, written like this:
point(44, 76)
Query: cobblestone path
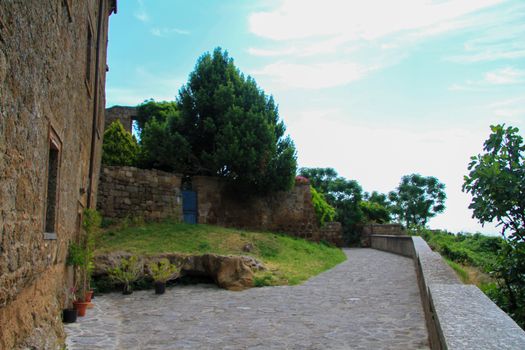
point(371, 301)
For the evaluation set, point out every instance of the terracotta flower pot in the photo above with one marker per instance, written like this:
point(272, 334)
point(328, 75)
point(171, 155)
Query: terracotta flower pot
point(160, 287)
point(89, 295)
point(81, 307)
point(69, 315)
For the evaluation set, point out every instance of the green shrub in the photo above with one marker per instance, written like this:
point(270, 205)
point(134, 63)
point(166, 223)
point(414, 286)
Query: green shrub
point(323, 211)
point(163, 270)
point(119, 147)
point(127, 271)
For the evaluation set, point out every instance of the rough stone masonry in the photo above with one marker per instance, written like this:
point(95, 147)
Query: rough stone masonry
point(52, 81)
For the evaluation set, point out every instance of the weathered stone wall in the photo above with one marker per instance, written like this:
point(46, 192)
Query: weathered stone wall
point(290, 212)
point(380, 229)
point(125, 114)
point(129, 191)
point(46, 93)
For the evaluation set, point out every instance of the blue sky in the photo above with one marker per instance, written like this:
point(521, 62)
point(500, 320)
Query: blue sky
point(375, 89)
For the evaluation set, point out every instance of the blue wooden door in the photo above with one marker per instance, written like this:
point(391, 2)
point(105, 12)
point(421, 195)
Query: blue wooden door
point(189, 206)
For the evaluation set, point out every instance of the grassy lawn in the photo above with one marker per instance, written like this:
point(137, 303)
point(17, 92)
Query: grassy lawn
point(289, 260)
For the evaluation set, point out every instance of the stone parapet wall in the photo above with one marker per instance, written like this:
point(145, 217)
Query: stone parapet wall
point(458, 316)
point(380, 229)
point(150, 194)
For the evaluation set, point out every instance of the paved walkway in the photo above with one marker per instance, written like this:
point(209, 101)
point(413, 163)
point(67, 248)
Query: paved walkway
point(371, 301)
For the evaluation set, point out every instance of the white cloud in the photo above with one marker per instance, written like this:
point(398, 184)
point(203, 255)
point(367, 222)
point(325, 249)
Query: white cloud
point(141, 13)
point(312, 76)
point(501, 36)
point(166, 32)
point(378, 156)
point(511, 111)
point(144, 85)
point(492, 79)
point(356, 19)
point(303, 33)
point(507, 75)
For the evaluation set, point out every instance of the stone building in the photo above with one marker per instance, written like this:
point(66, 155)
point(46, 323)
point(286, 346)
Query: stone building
point(125, 114)
point(52, 82)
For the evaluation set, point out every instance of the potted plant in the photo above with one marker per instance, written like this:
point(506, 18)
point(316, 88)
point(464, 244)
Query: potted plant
point(80, 256)
point(162, 271)
point(127, 272)
point(91, 222)
point(77, 257)
point(69, 315)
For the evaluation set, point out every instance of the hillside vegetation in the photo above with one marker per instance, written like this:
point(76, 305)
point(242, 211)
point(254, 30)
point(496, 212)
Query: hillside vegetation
point(477, 259)
point(289, 260)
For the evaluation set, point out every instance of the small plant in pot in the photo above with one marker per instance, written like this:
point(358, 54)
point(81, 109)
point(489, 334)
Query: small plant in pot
point(127, 272)
point(91, 222)
point(69, 315)
point(77, 257)
point(81, 256)
point(161, 272)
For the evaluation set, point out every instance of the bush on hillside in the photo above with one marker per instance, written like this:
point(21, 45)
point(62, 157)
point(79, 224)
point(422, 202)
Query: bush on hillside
point(119, 147)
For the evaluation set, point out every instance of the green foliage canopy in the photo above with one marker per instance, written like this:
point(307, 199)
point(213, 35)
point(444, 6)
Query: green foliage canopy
point(344, 195)
point(151, 109)
point(496, 181)
point(119, 146)
point(417, 199)
point(163, 146)
point(324, 211)
point(222, 125)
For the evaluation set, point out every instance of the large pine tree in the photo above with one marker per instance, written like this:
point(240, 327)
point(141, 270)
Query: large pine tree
point(232, 128)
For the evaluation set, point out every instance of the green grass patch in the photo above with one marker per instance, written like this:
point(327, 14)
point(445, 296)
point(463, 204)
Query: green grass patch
point(460, 271)
point(289, 260)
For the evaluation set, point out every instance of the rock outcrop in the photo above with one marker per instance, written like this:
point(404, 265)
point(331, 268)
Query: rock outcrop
point(229, 272)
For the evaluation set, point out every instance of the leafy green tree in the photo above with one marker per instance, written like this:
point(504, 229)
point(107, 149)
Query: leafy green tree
point(374, 212)
point(496, 181)
point(376, 208)
point(417, 199)
point(233, 128)
point(163, 146)
point(320, 178)
point(160, 111)
point(344, 195)
point(324, 211)
point(119, 146)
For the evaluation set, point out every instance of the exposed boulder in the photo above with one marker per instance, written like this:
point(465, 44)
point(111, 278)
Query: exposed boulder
point(228, 272)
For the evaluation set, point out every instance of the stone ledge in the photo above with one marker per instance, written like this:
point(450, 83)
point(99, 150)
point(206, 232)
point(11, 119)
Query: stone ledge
point(468, 319)
point(458, 316)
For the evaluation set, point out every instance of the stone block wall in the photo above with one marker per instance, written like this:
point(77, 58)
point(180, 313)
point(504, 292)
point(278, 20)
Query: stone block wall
point(128, 191)
point(152, 194)
point(380, 229)
point(125, 114)
point(332, 232)
point(290, 212)
point(52, 82)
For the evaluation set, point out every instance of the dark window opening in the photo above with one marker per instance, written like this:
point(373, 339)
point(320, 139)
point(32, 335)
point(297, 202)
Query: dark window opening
point(52, 187)
point(88, 54)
